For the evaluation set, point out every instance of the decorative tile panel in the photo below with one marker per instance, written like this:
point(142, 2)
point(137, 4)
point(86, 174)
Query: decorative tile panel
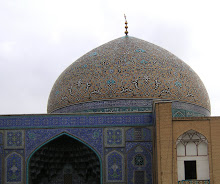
point(14, 169)
point(67, 121)
point(139, 159)
point(115, 167)
point(114, 137)
point(1, 138)
point(14, 139)
point(1, 170)
point(135, 134)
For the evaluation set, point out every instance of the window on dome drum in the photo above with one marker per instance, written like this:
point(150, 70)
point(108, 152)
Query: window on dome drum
point(190, 170)
point(192, 156)
point(139, 177)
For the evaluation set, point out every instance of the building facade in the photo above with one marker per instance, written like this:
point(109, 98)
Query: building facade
point(127, 112)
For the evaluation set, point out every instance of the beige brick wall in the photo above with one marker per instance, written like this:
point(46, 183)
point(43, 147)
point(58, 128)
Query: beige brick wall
point(168, 129)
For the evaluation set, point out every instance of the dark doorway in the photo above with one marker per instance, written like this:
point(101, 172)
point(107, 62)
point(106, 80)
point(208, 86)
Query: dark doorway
point(190, 170)
point(64, 160)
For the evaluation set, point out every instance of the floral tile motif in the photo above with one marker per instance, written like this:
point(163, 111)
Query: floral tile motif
point(14, 168)
point(14, 139)
point(115, 167)
point(114, 137)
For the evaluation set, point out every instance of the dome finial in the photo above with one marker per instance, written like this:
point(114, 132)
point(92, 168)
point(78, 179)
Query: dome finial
point(126, 27)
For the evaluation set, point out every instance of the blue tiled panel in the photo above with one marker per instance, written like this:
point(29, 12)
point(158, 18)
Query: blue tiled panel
point(115, 167)
point(108, 150)
point(58, 121)
point(147, 145)
point(1, 150)
point(14, 139)
point(9, 151)
point(1, 170)
point(14, 168)
point(132, 165)
point(91, 136)
point(1, 138)
point(114, 137)
point(146, 134)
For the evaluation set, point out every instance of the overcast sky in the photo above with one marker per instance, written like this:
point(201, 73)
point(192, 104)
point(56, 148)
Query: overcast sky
point(40, 38)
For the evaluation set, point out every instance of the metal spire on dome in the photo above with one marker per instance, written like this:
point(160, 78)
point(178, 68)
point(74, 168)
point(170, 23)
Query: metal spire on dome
point(126, 27)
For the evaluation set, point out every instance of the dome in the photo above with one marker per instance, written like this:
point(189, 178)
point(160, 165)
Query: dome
point(128, 69)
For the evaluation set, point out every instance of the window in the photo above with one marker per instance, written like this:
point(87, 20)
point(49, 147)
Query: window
point(190, 170)
point(139, 177)
point(139, 160)
point(192, 156)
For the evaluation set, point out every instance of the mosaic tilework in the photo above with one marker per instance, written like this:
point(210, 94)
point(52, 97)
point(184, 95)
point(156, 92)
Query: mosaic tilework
point(1, 150)
point(119, 105)
point(114, 137)
point(147, 145)
point(127, 67)
point(139, 159)
point(14, 168)
point(1, 170)
point(89, 120)
point(115, 167)
point(120, 150)
point(190, 108)
point(91, 136)
point(145, 134)
point(9, 151)
point(14, 139)
point(1, 138)
point(185, 113)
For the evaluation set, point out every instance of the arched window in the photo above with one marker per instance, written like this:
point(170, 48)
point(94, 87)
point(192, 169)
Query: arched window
point(139, 160)
point(192, 156)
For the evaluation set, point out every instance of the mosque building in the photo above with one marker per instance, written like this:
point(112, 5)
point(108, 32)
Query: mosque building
point(127, 112)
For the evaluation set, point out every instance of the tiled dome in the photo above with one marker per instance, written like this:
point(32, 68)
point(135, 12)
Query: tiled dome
point(127, 68)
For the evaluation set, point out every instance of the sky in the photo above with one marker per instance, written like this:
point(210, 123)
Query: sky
point(41, 38)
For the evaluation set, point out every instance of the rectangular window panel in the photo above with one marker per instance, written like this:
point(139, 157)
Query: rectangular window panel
point(139, 177)
point(190, 170)
point(138, 134)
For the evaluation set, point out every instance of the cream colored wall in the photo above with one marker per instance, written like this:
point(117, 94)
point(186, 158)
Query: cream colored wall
point(168, 129)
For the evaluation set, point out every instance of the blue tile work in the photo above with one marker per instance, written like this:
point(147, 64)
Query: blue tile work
point(9, 151)
point(114, 137)
point(189, 110)
point(1, 138)
point(14, 168)
point(91, 136)
point(121, 150)
point(119, 105)
point(185, 113)
point(146, 134)
point(147, 145)
point(14, 139)
point(115, 167)
point(1, 150)
point(1, 169)
point(58, 121)
point(139, 159)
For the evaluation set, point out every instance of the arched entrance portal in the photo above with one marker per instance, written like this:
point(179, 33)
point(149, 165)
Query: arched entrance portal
point(64, 160)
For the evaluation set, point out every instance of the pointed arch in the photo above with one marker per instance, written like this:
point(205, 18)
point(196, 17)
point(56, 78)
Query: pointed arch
point(14, 168)
point(192, 156)
point(54, 138)
point(137, 172)
point(115, 166)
